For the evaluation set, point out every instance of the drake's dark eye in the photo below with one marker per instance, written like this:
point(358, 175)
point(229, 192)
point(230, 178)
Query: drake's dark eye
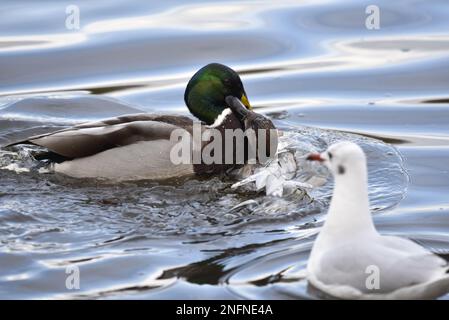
point(330, 155)
point(341, 170)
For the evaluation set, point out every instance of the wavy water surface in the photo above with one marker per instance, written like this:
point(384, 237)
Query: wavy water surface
point(313, 67)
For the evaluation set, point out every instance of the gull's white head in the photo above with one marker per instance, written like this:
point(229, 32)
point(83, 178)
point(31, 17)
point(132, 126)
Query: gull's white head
point(342, 158)
point(349, 207)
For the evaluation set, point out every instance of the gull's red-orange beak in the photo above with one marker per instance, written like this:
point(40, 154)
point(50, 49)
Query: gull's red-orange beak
point(315, 157)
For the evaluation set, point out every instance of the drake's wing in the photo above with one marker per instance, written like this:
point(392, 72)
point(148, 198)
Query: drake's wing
point(94, 137)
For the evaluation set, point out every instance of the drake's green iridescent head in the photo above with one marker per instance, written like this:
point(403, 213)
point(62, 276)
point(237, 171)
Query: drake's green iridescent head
point(207, 89)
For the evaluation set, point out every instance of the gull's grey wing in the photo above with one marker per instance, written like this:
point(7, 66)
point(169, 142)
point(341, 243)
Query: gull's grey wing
point(397, 266)
point(94, 137)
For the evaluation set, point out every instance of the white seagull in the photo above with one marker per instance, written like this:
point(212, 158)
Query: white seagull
point(350, 259)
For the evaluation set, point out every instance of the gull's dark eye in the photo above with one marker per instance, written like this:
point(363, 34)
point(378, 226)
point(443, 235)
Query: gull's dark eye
point(341, 170)
point(330, 155)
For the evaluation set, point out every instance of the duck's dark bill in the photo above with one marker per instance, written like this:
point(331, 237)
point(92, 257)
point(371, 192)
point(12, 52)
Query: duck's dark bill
point(237, 106)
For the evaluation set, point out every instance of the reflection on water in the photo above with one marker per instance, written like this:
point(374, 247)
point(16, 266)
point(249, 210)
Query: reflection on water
point(303, 63)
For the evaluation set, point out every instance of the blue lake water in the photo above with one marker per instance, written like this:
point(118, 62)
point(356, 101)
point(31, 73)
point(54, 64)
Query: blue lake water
point(312, 66)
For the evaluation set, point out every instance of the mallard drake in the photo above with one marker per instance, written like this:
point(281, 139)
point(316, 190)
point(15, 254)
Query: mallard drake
point(137, 146)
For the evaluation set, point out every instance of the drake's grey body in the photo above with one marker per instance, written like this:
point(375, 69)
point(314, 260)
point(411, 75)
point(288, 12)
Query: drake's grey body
point(140, 160)
point(129, 147)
